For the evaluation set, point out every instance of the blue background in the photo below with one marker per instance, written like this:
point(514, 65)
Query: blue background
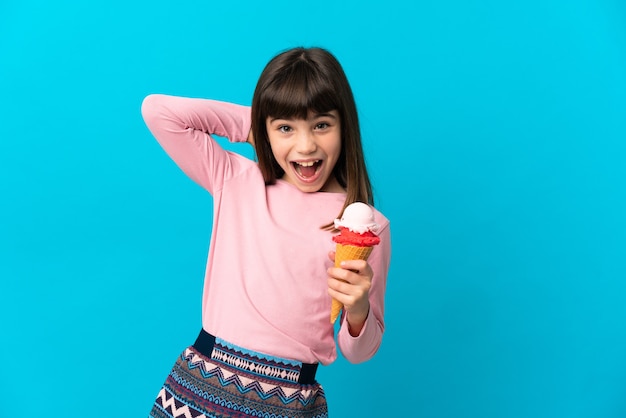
point(502, 122)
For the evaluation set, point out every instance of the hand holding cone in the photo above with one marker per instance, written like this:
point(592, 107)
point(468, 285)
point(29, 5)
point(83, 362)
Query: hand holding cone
point(355, 241)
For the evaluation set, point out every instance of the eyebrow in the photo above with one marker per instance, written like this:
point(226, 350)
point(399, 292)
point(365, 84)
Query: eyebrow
point(315, 116)
point(324, 115)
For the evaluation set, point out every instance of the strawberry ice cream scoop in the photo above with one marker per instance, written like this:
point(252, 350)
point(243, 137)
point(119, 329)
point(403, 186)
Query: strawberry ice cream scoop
point(347, 237)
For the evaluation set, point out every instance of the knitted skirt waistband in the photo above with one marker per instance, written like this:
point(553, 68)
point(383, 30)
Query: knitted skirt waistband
point(253, 362)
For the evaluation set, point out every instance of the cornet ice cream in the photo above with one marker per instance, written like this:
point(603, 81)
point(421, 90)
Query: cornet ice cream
point(355, 241)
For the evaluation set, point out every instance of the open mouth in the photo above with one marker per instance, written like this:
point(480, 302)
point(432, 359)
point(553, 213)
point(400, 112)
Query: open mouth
point(307, 170)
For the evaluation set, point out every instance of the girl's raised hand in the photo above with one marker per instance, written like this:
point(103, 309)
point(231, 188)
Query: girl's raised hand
point(250, 139)
point(350, 285)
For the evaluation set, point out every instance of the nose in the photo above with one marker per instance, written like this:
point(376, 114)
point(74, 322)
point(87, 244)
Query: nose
point(306, 143)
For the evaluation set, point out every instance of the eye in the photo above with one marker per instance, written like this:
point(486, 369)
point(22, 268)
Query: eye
point(284, 129)
point(322, 125)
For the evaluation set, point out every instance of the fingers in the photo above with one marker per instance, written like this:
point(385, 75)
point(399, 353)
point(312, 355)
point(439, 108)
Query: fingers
point(250, 138)
point(346, 293)
point(350, 284)
point(347, 299)
point(360, 267)
point(353, 295)
point(355, 276)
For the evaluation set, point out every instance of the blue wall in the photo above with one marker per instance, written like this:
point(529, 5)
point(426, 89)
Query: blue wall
point(503, 122)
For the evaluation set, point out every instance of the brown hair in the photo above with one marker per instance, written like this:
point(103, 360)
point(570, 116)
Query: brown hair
point(295, 82)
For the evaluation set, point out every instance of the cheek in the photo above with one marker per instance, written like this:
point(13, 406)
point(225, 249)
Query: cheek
point(273, 144)
point(278, 151)
point(336, 148)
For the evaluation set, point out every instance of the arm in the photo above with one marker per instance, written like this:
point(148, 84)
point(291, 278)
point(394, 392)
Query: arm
point(363, 345)
point(183, 127)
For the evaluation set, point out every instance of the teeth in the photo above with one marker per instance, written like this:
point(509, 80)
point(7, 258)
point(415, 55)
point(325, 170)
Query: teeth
point(307, 163)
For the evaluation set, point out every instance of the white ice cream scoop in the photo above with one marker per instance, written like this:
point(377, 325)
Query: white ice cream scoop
point(357, 217)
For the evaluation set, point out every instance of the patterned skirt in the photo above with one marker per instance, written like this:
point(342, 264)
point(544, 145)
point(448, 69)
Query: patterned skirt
point(216, 379)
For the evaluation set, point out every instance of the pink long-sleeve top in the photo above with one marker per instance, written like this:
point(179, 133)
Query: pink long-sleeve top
point(265, 286)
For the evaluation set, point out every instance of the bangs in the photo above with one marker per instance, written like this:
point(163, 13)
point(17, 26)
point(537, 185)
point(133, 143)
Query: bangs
point(301, 90)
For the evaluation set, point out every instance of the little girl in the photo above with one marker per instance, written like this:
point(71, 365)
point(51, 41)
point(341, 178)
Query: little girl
point(270, 275)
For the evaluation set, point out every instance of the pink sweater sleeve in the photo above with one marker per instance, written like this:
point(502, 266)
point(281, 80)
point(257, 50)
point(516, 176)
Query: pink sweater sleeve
point(183, 127)
point(363, 347)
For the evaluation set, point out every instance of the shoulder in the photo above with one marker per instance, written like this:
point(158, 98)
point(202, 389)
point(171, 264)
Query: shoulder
point(381, 219)
point(242, 167)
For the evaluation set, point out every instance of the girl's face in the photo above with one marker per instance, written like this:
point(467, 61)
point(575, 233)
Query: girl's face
point(307, 150)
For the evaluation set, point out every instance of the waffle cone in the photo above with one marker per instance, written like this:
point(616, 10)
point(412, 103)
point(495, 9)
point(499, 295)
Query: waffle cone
point(346, 252)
